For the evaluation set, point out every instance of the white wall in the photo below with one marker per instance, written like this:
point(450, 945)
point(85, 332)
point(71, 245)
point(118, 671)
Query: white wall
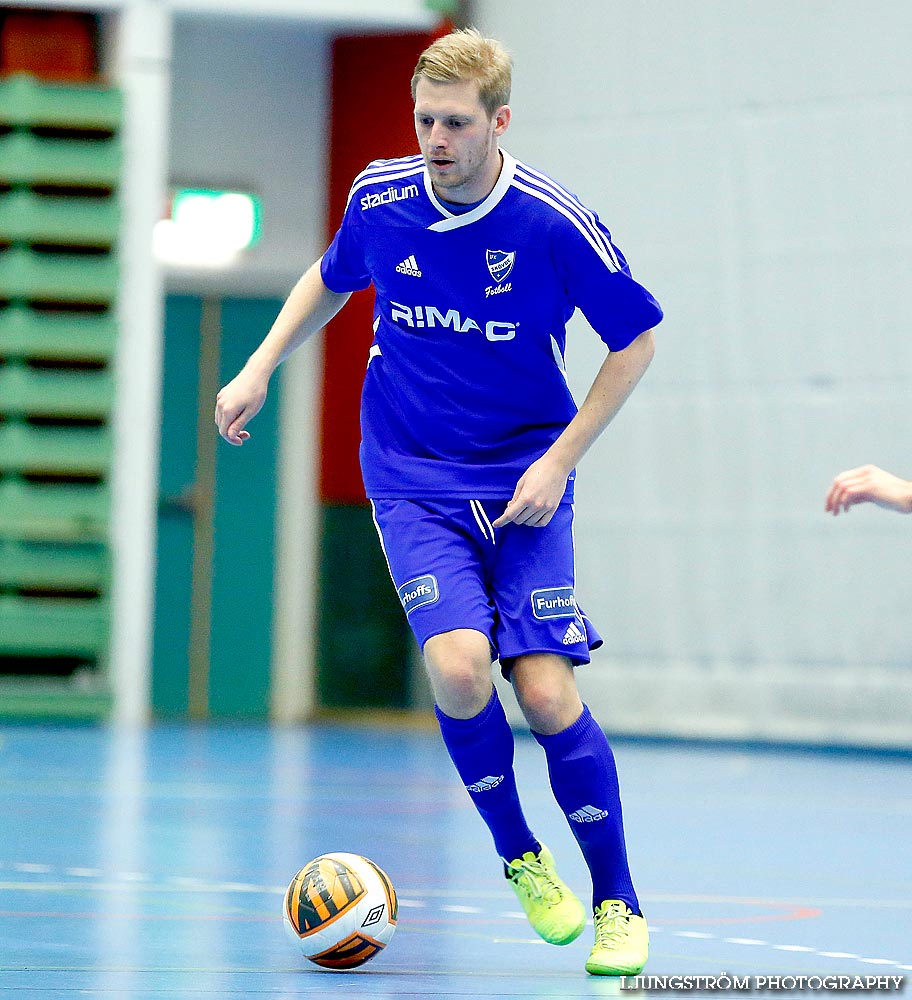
point(137, 54)
point(248, 83)
point(249, 110)
point(751, 161)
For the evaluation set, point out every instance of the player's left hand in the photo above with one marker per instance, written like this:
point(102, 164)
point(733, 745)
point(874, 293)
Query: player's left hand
point(537, 495)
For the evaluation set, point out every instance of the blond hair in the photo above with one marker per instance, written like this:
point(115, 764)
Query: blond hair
point(465, 54)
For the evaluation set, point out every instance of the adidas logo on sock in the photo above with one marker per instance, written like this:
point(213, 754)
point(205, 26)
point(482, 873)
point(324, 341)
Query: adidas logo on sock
point(486, 784)
point(409, 266)
point(573, 634)
point(589, 814)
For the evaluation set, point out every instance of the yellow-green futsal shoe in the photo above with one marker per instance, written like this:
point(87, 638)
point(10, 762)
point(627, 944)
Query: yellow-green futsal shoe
point(555, 913)
point(621, 941)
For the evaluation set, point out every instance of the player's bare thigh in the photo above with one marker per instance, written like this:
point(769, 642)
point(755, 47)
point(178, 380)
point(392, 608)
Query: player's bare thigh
point(459, 669)
point(545, 688)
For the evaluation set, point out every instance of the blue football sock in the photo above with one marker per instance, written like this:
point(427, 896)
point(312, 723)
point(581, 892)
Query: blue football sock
point(585, 783)
point(482, 750)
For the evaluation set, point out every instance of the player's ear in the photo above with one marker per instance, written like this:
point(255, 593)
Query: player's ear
point(502, 119)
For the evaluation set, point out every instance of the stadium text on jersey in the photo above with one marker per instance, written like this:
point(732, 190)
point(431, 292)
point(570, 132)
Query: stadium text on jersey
point(388, 196)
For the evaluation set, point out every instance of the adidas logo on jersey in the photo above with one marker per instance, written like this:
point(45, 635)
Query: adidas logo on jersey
point(486, 784)
point(589, 814)
point(409, 266)
point(573, 634)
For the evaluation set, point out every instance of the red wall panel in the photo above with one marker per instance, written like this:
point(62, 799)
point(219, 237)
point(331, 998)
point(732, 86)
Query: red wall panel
point(51, 45)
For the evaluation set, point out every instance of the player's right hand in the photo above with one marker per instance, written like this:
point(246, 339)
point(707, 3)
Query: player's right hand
point(237, 404)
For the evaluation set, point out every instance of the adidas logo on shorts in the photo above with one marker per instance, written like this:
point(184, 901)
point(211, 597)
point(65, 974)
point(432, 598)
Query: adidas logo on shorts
point(573, 634)
point(589, 814)
point(409, 266)
point(486, 784)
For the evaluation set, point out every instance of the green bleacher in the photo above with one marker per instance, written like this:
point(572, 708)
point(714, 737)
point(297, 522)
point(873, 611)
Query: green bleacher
point(57, 336)
point(28, 103)
point(76, 222)
point(60, 163)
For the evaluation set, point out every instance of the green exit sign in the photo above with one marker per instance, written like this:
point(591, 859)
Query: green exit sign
point(208, 228)
point(236, 216)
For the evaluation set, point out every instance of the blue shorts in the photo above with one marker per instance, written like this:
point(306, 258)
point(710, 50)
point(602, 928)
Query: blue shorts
point(515, 584)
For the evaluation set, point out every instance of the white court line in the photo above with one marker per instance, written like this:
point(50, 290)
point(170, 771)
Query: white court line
point(195, 884)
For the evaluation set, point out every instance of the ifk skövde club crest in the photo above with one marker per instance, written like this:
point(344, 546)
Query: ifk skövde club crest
point(500, 263)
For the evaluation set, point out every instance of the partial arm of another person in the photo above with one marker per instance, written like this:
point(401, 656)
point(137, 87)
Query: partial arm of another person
point(309, 307)
point(540, 489)
point(869, 484)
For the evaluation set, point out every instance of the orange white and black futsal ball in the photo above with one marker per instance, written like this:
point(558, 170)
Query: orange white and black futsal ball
point(341, 910)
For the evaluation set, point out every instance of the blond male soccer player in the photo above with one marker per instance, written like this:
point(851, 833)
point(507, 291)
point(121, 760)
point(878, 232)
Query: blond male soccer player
point(470, 438)
point(869, 484)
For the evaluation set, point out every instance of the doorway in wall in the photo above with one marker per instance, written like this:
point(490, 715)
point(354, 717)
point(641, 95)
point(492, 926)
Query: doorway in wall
point(212, 644)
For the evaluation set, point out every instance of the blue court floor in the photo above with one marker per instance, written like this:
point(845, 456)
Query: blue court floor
point(152, 864)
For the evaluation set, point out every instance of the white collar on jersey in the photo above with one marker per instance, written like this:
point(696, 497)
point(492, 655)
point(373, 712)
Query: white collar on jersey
point(451, 221)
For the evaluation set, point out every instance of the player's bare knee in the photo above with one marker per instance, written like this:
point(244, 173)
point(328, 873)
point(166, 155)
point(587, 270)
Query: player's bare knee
point(542, 707)
point(547, 695)
point(460, 689)
point(459, 669)
point(459, 693)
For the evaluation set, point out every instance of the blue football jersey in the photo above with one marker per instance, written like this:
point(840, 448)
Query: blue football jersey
point(465, 385)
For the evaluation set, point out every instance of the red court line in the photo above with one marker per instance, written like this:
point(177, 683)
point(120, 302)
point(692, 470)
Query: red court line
point(799, 913)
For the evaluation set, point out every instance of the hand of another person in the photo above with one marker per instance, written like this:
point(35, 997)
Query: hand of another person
point(869, 484)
